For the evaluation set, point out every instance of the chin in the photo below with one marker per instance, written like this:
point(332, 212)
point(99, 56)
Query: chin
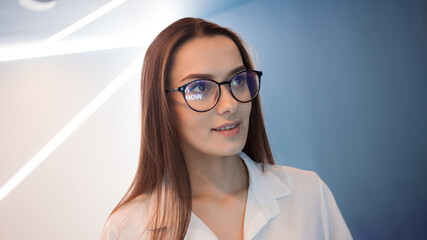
point(229, 150)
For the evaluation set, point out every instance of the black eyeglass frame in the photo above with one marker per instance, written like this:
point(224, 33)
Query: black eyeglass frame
point(182, 88)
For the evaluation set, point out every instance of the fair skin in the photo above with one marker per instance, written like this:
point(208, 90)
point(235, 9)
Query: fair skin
point(219, 179)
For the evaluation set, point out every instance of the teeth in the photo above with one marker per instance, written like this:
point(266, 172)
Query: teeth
point(226, 128)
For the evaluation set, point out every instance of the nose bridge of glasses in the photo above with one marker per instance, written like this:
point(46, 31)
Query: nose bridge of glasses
point(226, 85)
point(228, 91)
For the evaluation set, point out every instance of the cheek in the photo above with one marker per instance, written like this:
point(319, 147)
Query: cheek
point(249, 109)
point(191, 125)
point(246, 111)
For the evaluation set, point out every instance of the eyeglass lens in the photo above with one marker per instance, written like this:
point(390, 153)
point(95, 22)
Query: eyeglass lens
point(202, 95)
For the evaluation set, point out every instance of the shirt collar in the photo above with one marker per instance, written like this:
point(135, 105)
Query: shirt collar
point(265, 186)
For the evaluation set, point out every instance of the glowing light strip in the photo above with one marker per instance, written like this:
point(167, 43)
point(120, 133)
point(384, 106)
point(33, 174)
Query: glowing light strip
point(11, 53)
point(100, 99)
point(84, 21)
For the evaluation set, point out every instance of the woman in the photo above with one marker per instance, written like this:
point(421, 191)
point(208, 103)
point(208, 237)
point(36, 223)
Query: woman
point(206, 170)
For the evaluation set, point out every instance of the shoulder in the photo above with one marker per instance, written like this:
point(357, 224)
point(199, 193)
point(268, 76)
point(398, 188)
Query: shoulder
point(312, 198)
point(303, 184)
point(283, 180)
point(306, 188)
point(308, 198)
point(129, 221)
point(294, 177)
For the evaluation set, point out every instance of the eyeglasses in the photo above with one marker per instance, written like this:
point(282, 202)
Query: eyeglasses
point(203, 94)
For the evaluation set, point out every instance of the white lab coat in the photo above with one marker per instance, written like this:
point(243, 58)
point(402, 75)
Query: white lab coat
point(283, 203)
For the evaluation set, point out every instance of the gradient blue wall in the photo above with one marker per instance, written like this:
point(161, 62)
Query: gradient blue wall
point(344, 94)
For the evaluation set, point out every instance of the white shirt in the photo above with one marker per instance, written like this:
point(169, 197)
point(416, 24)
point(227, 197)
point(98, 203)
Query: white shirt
point(283, 203)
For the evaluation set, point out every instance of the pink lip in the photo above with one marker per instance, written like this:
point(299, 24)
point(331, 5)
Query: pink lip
point(229, 132)
point(226, 125)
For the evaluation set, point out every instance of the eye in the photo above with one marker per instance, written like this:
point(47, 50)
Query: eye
point(200, 86)
point(238, 80)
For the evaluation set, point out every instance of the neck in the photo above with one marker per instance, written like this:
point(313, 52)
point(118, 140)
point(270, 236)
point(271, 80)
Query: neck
point(216, 176)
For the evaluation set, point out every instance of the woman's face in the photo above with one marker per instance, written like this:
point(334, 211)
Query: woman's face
point(219, 59)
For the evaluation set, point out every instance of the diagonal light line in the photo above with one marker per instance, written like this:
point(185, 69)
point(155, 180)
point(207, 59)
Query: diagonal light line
point(84, 21)
point(11, 53)
point(101, 98)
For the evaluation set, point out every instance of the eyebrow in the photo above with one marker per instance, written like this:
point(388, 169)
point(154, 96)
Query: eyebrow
point(209, 76)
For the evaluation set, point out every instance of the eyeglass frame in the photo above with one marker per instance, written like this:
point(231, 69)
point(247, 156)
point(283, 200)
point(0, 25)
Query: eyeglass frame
point(182, 88)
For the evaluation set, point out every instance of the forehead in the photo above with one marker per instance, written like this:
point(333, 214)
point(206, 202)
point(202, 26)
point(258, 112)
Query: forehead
point(216, 56)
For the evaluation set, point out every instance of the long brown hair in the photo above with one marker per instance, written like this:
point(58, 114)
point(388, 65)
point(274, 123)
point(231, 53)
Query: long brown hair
point(162, 170)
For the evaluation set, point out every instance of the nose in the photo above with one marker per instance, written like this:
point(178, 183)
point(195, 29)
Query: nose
point(226, 102)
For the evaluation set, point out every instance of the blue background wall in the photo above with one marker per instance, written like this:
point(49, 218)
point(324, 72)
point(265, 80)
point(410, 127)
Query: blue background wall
point(344, 94)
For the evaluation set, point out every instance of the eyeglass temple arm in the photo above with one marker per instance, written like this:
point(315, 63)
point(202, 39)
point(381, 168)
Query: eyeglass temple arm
point(172, 90)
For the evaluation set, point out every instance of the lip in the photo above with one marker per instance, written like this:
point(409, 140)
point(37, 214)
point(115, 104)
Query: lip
point(226, 125)
point(230, 132)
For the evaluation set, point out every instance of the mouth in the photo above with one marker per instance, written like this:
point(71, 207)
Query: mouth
point(228, 129)
point(227, 126)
